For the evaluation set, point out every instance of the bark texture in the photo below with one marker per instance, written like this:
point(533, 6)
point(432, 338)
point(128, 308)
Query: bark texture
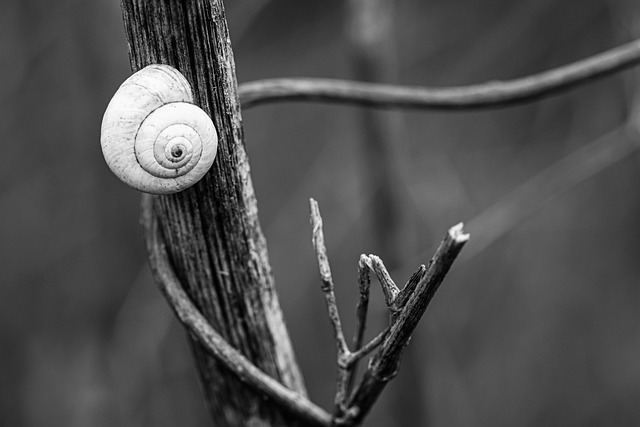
point(211, 230)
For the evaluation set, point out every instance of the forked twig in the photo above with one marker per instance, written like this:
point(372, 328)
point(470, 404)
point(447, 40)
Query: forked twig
point(346, 359)
point(384, 365)
point(406, 307)
point(348, 410)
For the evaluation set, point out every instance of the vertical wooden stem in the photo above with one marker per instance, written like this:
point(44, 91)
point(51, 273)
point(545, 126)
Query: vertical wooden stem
point(211, 230)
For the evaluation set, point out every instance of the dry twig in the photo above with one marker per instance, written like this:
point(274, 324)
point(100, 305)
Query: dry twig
point(332, 308)
point(490, 94)
point(406, 307)
point(346, 358)
point(364, 285)
point(348, 410)
point(384, 365)
point(389, 288)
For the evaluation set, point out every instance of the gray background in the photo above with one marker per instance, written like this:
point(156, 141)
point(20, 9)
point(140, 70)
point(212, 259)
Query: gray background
point(538, 327)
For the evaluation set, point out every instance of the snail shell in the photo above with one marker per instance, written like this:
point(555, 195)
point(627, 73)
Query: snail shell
point(153, 137)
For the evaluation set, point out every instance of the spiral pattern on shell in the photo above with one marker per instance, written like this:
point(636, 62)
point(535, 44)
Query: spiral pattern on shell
point(153, 137)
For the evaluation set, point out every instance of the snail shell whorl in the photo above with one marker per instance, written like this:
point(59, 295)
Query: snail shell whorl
point(153, 137)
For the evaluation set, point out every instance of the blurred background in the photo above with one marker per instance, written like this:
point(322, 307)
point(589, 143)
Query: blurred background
point(538, 321)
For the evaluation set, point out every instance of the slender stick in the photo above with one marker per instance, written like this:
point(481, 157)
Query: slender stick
point(210, 339)
point(368, 347)
point(327, 280)
point(389, 288)
point(364, 285)
point(332, 308)
point(490, 94)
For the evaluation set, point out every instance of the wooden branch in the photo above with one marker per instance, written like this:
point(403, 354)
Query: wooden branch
point(409, 289)
point(211, 230)
point(389, 288)
point(486, 95)
point(212, 341)
point(367, 348)
point(364, 286)
point(384, 365)
point(332, 308)
point(406, 308)
point(325, 275)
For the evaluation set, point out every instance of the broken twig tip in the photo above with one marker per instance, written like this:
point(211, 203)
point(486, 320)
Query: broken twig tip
point(457, 233)
point(313, 205)
point(364, 261)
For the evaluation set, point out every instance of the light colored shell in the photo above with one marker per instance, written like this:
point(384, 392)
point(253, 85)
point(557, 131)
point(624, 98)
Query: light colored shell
point(153, 137)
